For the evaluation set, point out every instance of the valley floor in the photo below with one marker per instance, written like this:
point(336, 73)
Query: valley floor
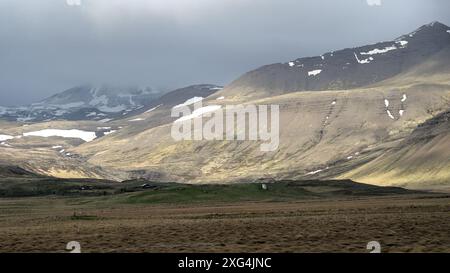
point(407, 223)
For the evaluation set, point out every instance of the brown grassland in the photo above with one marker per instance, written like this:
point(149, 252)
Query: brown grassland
point(409, 223)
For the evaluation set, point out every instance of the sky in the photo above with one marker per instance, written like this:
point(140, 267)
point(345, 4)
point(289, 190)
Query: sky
point(47, 46)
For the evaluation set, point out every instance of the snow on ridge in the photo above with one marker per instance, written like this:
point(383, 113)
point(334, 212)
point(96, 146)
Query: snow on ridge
point(72, 133)
point(380, 51)
point(5, 137)
point(216, 88)
point(314, 72)
point(220, 98)
point(189, 102)
point(199, 112)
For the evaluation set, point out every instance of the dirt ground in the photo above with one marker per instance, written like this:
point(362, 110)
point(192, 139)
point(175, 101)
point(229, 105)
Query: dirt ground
point(399, 224)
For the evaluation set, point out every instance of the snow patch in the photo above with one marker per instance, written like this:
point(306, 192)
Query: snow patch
point(291, 64)
point(365, 61)
point(404, 98)
point(91, 114)
point(314, 72)
point(73, 133)
point(199, 112)
point(314, 172)
point(109, 132)
point(390, 114)
point(25, 119)
point(154, 108)
point(60, 112)
point(402, 43)
point(189, 102)
point(386, 102)
point(221, 98)
point(380, 51)
point(137, 119)
point(216, 88)
point(401, 112)
point(5, 137)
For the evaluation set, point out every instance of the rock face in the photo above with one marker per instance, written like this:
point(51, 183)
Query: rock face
point(344, 69)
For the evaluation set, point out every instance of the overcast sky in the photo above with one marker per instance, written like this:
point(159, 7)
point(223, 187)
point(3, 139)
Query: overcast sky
point(47, 46)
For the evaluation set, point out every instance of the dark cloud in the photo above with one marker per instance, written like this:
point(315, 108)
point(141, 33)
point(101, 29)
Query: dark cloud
point(47, 46)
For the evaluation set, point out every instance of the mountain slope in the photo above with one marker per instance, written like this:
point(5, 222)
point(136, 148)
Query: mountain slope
point(343, 69)
point(322, 134)
point(422, 159)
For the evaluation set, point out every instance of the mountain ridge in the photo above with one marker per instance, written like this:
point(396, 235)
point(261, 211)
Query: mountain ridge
point(347, 68)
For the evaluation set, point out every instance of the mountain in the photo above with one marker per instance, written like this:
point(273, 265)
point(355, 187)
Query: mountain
point(45, 147)
point(324, 132)
point(343, 69)
point(103, 103)
point(337, 123)
point(84, 103)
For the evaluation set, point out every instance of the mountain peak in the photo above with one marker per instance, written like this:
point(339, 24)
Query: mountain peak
point(432, 27)
point(436, 24)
